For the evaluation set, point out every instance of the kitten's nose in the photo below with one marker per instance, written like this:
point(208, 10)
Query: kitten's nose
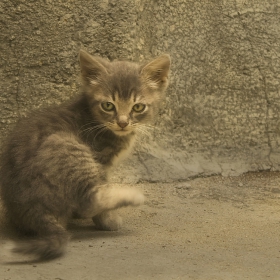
point(122, 124)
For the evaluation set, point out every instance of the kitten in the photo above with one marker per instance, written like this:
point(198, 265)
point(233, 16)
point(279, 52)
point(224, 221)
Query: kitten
point(56, 161)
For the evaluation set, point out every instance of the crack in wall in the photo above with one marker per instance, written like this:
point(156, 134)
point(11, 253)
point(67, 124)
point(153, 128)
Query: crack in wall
point(141, 160)
point(267, 116)
point(17, 92)
point(264, 84)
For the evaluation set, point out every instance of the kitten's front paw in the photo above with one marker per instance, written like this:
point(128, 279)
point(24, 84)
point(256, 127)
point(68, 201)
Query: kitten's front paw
point(138, 199)
point(112, 198)
point(131, 197)
point(107, 221)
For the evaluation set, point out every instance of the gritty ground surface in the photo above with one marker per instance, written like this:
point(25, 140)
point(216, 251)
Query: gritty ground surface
point(206, 228)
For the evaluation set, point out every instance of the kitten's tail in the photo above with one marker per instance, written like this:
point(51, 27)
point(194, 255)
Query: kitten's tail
point(45, 247)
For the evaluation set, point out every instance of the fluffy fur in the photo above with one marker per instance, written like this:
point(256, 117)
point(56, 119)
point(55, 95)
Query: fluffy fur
point(56, 161)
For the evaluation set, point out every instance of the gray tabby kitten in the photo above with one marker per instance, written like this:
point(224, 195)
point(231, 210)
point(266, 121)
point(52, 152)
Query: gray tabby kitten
point(56, 160)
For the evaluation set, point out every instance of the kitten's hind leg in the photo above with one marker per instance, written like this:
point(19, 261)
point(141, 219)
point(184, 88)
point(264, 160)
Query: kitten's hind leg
point(107, 220)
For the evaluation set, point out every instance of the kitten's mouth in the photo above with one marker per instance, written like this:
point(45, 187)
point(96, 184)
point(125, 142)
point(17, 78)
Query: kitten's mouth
point(122, 132)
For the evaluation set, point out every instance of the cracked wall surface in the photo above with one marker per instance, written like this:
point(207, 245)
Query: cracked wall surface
point(221, 113)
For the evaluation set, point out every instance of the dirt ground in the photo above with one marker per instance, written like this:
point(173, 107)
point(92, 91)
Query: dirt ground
point(205, 228)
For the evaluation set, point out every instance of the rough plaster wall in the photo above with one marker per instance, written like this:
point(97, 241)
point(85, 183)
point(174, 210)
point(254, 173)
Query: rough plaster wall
point(222, 109)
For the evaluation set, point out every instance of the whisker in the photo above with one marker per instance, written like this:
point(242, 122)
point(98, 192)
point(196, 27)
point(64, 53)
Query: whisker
point(100, 132)
point(90, 123)
point(92, 129)
point(95, 127)
point(144, 129)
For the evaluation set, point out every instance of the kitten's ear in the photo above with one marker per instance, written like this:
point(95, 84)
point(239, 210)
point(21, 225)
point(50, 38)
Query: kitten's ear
point(155, 73)
point(92, 68)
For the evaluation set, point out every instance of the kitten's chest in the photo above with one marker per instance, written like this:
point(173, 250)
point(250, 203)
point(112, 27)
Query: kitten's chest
point(115, 152)
point(123, 153)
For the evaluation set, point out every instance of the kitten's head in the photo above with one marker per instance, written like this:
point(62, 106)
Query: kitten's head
point(124, 96)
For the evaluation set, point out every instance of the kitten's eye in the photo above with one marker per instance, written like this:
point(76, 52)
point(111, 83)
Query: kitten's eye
point(138, 108)
point(108, 106)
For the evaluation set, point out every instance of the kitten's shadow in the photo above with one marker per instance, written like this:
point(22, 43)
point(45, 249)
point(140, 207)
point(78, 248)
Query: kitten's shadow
point(85, 229)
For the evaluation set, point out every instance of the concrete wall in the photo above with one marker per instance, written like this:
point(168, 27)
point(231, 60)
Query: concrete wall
point(222, 109)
